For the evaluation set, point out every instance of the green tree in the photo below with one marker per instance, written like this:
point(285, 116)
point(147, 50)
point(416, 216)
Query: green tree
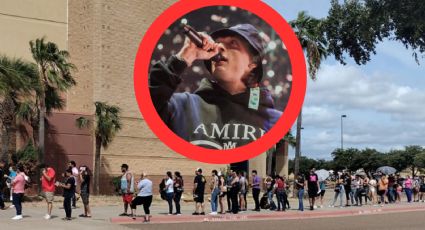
point(107, 124)
point(310, 35)
point(354, 27)
point(16, 77)
point(54, 71)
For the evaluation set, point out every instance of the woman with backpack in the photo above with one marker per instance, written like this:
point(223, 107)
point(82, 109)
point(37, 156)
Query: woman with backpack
point(178, 191)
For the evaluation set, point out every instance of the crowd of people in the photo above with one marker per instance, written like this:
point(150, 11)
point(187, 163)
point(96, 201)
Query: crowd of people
point(15, 178)
point(227, 190)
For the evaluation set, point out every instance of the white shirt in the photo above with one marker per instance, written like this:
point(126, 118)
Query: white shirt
point(75, 174)
point(169, 183)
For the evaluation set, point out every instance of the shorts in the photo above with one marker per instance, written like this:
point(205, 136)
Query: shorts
point(85, 197)
point(222, 194)
point(322, 193)
point(198, 198)
point(49, 196)
point(127, 198)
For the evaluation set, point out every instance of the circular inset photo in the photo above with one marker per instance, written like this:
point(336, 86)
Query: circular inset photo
point(219, 79)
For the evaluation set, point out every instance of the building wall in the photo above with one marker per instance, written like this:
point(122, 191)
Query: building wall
point(103, 40)
point(25, 20)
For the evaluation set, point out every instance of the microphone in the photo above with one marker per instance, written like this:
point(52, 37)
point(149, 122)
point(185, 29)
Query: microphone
point(194, 36)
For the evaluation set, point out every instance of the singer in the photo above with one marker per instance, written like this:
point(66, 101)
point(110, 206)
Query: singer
point(227, 112)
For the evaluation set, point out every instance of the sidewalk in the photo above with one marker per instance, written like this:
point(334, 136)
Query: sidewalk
point(105, 212)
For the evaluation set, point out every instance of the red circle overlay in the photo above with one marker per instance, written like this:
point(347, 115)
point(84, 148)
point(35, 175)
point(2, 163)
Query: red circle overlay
point(167, 136)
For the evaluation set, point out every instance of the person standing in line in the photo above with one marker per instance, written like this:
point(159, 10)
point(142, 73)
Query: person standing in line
point(178, 191)
point(10, 178)
point(229, 179)
point(2, 183)
point(256, 181)
point(408, 184)
point(48, 186)
point(75, 174)
point(313, 187)
point(242, 191)
point(300, 185)
point(85, 175)
point(223, 192)
point(373, 191)
point(144, 197)
point(269, 186)
point(339, 191)
point(382, 189)
point(215, 191)
point(198, 192)
point(68, 192)
point(280, 193)
point(169, 191)
point(234, 191)
point(18, 186)
point(347, 187)
point(127, 187)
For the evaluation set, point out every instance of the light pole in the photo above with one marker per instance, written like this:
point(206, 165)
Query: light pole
point(342, 130)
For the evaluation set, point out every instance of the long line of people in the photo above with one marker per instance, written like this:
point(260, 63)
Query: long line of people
point(230, 186)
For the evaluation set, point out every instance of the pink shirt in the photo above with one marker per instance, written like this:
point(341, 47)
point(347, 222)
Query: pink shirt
point(408, 183)
point(18, 183)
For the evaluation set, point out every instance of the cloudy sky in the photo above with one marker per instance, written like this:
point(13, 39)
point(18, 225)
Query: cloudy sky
point(383, 100)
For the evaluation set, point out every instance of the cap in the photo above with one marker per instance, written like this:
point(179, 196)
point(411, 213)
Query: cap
point(250, 34)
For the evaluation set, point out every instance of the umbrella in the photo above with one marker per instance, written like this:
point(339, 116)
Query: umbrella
point(360, 172)
point(322, 174)
point(387, 170)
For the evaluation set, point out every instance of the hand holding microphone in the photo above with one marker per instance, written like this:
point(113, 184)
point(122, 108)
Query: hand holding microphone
point(198, 46)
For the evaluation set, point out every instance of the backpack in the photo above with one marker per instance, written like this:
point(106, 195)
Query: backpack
point(161, 189)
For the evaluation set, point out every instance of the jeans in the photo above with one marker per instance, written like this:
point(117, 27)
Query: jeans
point(408, 194)
point(17, 201)
point(300, 199)
point(214, 199)
point(391, 194)
point(270, 197)
point(281, 200)
point(353, 196)
point(256, 195)
point(169, 196)
point(1, 200)
point(67, 206)
point(339, 194)
point(177, 197)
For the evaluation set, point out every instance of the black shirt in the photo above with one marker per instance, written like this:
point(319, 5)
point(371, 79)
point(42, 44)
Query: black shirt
point(71, 191)
point(85, 185)
point(200, 181)
point(312, 180)
point(300, 181)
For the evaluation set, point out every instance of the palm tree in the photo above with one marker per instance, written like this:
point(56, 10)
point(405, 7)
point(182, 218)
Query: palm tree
point(108, 123)
point(15, 86)
point(313, 41)
point(54, 73)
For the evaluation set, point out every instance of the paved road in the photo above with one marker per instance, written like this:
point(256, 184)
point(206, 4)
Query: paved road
point(406, 221)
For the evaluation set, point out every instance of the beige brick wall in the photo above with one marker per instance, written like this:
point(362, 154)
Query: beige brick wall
point(103, 39)
point(25, 20)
